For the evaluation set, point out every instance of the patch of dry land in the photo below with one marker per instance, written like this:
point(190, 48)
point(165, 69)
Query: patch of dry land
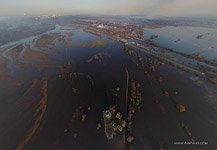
point(87, 44)
point(35, 55)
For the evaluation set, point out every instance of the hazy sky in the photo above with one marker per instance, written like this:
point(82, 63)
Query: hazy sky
point(116, 7)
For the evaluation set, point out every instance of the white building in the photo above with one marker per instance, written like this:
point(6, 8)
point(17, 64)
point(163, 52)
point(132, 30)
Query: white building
point(100, 26)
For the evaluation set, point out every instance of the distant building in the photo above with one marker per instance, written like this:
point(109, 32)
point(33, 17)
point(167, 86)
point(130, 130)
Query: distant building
point(100, 26)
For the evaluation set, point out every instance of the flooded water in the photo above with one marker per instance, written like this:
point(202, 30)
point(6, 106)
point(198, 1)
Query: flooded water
point(43, 98)
point(187, 39)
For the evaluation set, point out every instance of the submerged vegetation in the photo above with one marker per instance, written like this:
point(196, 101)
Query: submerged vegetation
point(39, 114)
point(35, 55)
point(98, 57)
point(135, 101)
point(209, 72)
point(85, 44)
point(213, 80)
point(135, 56)
point(3, 66)
point(45, 40)
point(70, 84)
point(195, 56)
point(14, 53)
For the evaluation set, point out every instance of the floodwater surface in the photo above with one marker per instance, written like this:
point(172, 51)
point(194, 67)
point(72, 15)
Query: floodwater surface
point(187, 39)
point(46, 89)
